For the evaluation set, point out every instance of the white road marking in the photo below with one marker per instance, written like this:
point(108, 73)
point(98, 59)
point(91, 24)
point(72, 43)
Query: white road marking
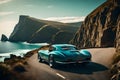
point(60, 75)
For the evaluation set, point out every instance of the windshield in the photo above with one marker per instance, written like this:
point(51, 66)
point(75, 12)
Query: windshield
point(68, 48)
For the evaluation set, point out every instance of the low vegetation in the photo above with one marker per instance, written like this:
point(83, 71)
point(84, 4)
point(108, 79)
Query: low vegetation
point(12, 67)
point(6, 73)
point(115, 69)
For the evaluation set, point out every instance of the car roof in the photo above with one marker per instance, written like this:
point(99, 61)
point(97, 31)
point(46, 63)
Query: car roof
point(60, 45)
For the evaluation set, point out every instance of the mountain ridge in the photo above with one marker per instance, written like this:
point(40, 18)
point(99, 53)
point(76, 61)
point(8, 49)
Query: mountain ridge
point(35, 30)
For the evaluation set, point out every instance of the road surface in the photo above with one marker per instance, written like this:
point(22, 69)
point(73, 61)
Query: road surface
point(98, 69)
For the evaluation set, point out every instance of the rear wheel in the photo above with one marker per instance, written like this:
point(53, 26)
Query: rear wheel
point(52, 63)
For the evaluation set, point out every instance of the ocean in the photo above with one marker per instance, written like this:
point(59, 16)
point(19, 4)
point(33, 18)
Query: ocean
point(18, 49)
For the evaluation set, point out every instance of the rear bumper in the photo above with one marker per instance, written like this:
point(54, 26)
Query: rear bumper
point(72, 62)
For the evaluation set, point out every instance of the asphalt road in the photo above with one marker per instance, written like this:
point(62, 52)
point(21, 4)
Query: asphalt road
point(98, 69)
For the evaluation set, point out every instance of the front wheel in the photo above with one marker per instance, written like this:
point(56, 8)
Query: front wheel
point(52, 63)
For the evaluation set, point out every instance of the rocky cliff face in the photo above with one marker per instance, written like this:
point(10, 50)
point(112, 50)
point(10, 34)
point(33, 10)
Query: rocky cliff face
point(40, 31)
point(100, 26)
point(118, 36)
point(115, 68)
point(4, 38)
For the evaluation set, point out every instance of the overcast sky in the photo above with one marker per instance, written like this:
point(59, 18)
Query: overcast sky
point(42, 9)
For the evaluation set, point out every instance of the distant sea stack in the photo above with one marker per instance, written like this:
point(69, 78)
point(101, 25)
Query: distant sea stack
point(101, 27)
point(34, 30)
point(4, 38)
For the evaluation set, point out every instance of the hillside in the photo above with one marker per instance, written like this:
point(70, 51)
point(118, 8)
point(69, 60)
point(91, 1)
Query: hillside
point(100, 27)
point(35, 30)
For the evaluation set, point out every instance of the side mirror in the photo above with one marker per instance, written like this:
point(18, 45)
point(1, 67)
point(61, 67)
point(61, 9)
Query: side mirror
point(50, 50)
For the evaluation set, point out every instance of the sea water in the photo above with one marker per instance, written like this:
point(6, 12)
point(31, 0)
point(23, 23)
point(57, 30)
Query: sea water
point(16, 48)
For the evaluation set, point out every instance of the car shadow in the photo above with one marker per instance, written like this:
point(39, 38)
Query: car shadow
point(80, 69)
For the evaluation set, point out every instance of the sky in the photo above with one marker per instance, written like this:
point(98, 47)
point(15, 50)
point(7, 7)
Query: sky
point(43, 9)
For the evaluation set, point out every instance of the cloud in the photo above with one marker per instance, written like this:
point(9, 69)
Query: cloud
point(50, 6)
point(29, 5)
point(6, 27)
point(6, 13)
point(66, 19)
point(4, 1)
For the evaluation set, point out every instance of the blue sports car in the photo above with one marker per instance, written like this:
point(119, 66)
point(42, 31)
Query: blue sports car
point(63, 54)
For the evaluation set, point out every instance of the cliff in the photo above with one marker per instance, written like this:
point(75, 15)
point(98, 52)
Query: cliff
point(35, 30)
point(4, 38)
point(118, 37)
point(100, 27)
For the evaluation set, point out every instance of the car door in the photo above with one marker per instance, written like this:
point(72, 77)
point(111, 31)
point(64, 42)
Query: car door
point(44, 54)
point(51, 49)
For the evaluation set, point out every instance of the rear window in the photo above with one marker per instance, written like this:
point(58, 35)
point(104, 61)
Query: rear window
point(68, 48)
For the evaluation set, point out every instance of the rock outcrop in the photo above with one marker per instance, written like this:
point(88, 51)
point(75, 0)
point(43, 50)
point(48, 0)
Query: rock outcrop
point(35, 30)
point(4, 38)
point(118, 37)
point(100, 26)
point(115, 69)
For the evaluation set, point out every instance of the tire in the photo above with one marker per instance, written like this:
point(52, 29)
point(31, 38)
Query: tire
point(52, 63)
point(40, 59)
